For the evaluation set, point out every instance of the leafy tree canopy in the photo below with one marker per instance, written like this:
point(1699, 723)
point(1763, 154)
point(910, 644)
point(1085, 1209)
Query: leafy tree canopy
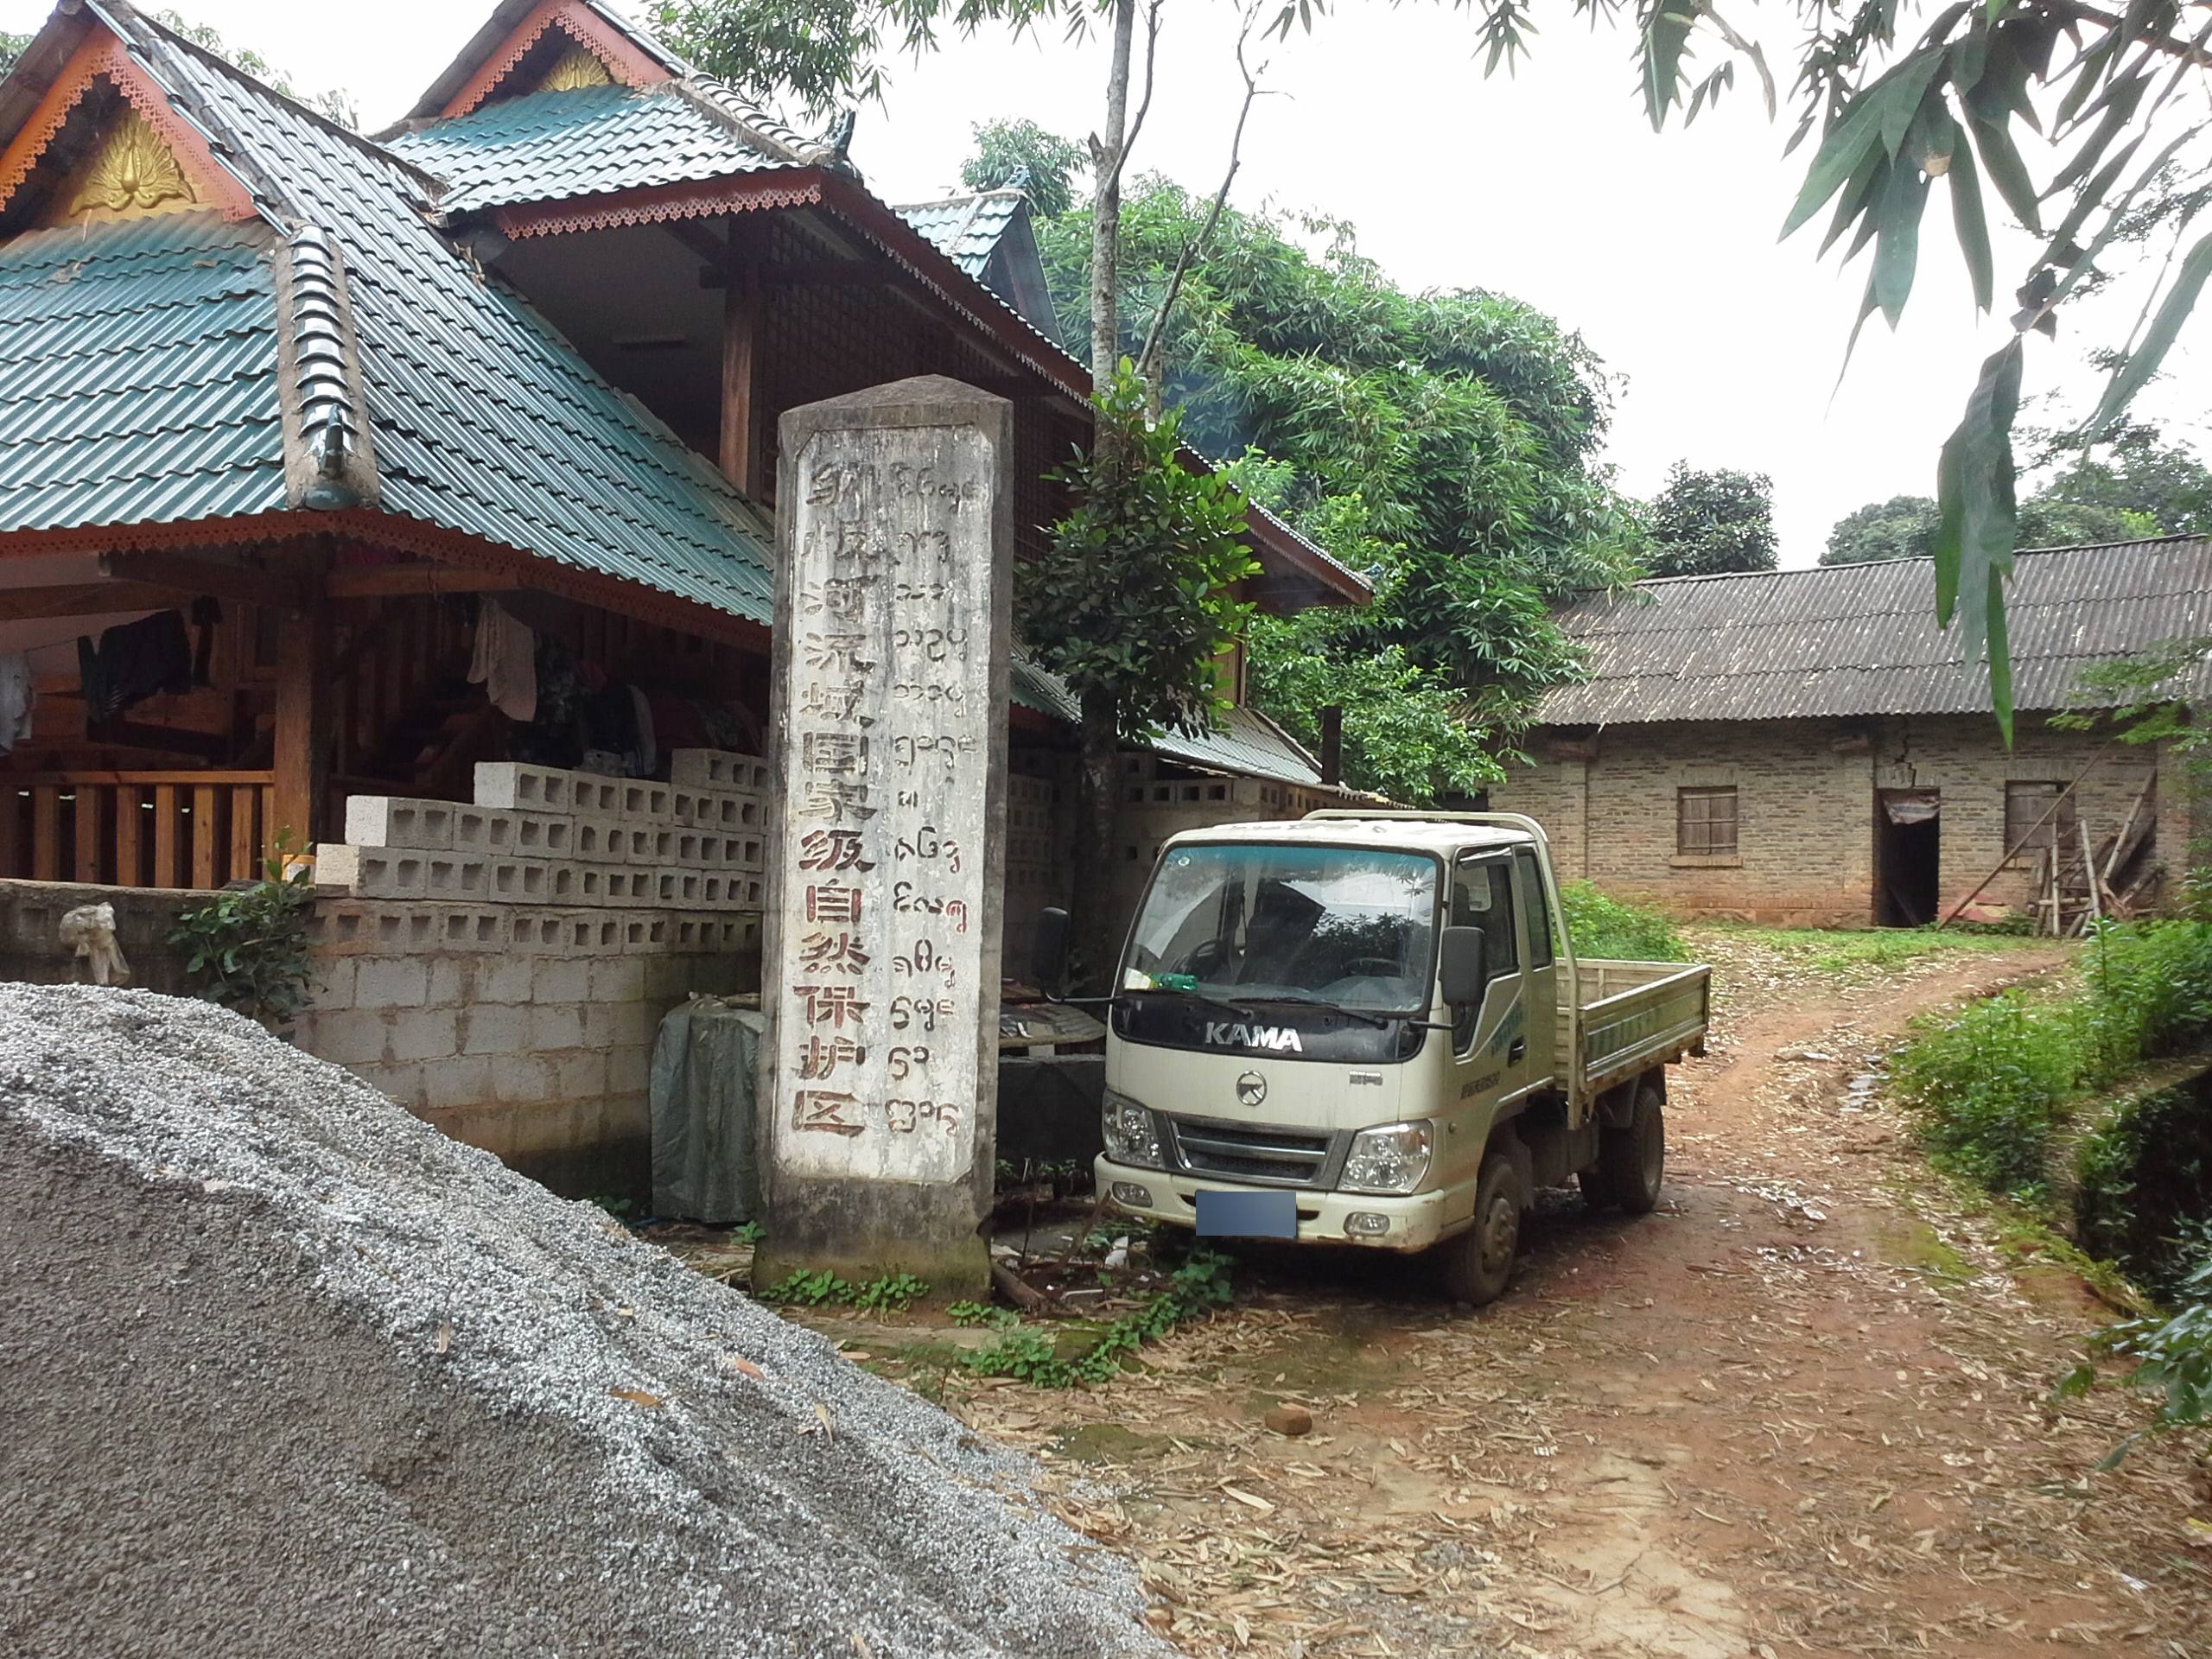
point(333, 105)
point(11, 47)
point(1705, 523)
point(2134, 486)
point(1446, 443)
point(1023, 155)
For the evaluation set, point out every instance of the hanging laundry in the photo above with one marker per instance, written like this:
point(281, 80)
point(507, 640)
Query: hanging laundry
point(17, 697)
point(506, 663)
point(134, 661)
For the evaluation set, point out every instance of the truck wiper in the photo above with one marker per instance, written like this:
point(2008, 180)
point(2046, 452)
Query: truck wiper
point(1375, 1020)
point(1197, 995)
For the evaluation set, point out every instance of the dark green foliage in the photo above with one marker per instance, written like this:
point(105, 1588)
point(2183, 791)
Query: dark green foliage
point(2143, 1191)
point(11, 47)
point(1446, 444)
point(1601, 926)
point(1704, 524)
point(1194, 1290)
point(1903, 527)
point(249, 947)
point(1022, 154)
point(333, 105)
point(2133, 470)
point(1132, 599)
point(2174, 1355)
point(893, 1294)
point(1989, 1083)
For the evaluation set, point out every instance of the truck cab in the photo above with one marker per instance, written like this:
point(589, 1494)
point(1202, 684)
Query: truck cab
point(1370, 1029)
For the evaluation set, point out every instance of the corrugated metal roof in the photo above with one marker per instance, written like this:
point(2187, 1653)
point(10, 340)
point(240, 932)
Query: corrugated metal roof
point(485, 420)
point(551, 146)
point(966, 229)
point(1862, 639)
point(138, 361)
point(1248, 744)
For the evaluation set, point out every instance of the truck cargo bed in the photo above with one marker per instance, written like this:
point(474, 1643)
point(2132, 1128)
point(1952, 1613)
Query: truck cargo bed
point(1633, 1015)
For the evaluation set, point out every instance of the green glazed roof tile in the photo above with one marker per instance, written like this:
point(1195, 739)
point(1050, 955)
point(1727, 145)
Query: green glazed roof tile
point(552, 146)
point(966, 229)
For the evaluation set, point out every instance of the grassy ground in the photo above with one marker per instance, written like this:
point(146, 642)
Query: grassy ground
point(1833, 949)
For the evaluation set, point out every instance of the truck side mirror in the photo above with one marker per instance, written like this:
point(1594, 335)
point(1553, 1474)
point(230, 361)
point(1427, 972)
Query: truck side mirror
point(1464, 965)
point(1048, 950)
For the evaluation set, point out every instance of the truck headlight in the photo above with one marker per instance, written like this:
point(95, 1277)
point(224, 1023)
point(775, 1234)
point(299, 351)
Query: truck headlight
point(1393, 1158)
point(1131, 1135)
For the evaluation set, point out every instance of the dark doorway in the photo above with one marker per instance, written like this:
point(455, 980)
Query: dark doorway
point(1908, 856)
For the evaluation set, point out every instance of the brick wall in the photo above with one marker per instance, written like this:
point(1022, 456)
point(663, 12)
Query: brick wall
point(1806, 804)
point(501, 967)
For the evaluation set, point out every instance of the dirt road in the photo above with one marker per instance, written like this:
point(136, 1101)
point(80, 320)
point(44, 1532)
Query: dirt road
point(1805, 1408)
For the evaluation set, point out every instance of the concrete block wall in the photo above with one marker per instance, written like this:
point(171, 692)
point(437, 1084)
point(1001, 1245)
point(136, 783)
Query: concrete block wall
point(1805, 807)
point(500, 968)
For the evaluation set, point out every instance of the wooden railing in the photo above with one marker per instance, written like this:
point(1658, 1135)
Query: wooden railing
point(136, 829)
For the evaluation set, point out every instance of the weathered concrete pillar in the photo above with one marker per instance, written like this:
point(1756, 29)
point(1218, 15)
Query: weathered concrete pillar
point(881, 965)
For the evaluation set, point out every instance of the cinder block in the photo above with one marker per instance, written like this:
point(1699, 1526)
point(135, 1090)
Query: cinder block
point(537, 789)
point(394, 821)
point(330, 983)
point(599, 838)
point(717, 769)
point(458, 878)
point(484, 829)
point(450, 985)
point(593, 793)
point(624, 1116)
point(580, 1074)
point(423, 1034)
point(628, 1068)
point(458, 1080)
point(400, 1082)
point(678, 887)
point(496, 1028)
point(522, 1078)
point(537, 932)
point(555, 1026)
point(646, 935)
point(390, 982)
point(745, 853)
point(505, 979)
point(522, 880)
point(617, 979)
point(560, 979)
point(471, 929)
point(542, 835)
point(727, 810)
point(644, 799)
point(596, 933)
point(349, 1037)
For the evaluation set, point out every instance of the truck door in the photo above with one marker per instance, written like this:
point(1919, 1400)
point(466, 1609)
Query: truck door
point(1538, 974)
point(1490, 1041)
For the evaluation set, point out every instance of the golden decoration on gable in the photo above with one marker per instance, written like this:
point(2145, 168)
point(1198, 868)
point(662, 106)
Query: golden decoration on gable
point(578, 68)
point(131, 172)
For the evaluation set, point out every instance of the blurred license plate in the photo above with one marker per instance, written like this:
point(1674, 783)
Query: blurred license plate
point(1248, 1215)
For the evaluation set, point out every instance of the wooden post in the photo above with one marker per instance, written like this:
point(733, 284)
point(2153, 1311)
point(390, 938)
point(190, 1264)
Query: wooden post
point(130, 837)
point(1332, 745)
point(300, 759)
point(742, 315)
point(169, 864)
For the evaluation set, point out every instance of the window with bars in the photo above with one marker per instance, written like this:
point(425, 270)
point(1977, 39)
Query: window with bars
point(2024, 804)
point(1705, 822)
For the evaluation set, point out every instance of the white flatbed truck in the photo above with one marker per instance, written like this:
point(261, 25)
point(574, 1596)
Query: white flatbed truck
point(1371, 1028)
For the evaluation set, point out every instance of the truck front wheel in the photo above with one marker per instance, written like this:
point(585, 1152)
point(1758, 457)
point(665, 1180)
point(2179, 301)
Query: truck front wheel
point(1632, 1161)
point(1476, 1265)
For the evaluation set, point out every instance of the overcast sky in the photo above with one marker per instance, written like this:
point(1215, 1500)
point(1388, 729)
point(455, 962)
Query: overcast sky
point(1549, 186)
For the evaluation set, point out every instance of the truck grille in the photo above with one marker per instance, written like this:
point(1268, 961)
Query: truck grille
point(1243, 1153)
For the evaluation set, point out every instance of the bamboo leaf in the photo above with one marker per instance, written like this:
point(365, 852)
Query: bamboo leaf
point(2007, 172)
point(2143, 362)
point(1844, 147)
point(1977, 522)
point(1897, 254)
point(1666, 33)
point(1971, 223)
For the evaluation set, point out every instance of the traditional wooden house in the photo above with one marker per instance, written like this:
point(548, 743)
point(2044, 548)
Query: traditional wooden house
point(331, 466)
point(1805, 747)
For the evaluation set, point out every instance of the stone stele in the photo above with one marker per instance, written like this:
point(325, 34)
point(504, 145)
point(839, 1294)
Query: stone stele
point(886, 863)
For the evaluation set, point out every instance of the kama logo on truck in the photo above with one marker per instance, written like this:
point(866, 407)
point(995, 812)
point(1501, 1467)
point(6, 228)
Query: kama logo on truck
point(1281, 1039)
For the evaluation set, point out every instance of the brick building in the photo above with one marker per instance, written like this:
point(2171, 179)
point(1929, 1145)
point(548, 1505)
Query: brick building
point(1804, 747)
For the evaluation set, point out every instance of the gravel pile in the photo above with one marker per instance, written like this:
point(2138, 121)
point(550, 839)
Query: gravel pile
point(287, 1372)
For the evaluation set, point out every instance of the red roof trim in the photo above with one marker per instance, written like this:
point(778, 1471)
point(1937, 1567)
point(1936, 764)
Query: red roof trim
point(769, 188)
point(623, 57)
point(103, 55)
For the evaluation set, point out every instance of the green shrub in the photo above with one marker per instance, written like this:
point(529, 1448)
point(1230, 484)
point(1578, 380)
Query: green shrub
point(2173, 1355)
point(1989, 1083)
point(2147, 992)
point(1601, 926)
point(1194, 1289)
point(248, 948)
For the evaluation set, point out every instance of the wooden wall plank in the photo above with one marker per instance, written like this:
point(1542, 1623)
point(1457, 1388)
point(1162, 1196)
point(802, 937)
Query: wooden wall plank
point(169, 868)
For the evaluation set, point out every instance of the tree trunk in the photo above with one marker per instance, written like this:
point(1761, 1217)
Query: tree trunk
point(1098, 780)
point(1096, 930)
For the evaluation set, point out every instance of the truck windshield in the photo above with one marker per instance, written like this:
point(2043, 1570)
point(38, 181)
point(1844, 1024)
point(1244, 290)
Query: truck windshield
point(1342, 925)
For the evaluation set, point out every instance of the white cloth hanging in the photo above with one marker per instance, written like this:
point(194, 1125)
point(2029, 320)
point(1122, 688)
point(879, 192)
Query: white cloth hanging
point(17, 698)
point(505, 661)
